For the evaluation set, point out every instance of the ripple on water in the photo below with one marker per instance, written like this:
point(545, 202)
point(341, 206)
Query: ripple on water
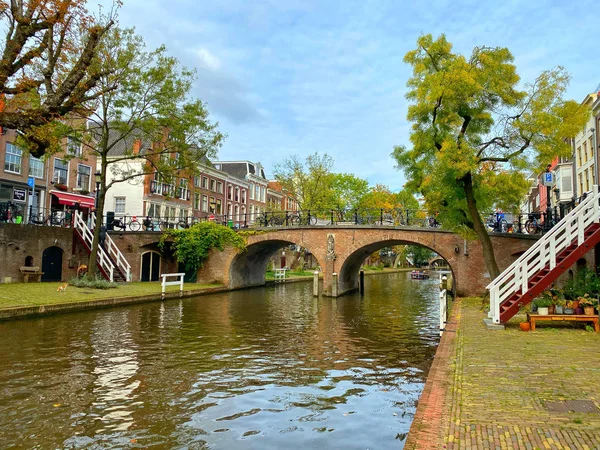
point(275, 365)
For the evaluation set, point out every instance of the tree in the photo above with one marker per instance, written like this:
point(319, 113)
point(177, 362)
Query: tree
point(475, 132)
point(381, 197)
point(150, 108)
point(308, 182)
point(345, 191)
point(49, 66)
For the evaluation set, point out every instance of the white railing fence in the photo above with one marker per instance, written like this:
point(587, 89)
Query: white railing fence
point(88, 237)
point(543, 253)
point(115, 253)
point(165, 283)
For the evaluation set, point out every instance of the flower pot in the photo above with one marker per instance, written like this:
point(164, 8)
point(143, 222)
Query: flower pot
point(568, 310)
point(588, 310)
point(575, 304)
point(542, 310)
point(579, 310)
point(525, 326)
point(551, 309)
point(559, 310)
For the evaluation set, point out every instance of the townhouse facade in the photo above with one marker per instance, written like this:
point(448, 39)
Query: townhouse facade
point(36, 186)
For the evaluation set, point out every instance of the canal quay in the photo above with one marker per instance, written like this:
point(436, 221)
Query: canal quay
point(269, 368)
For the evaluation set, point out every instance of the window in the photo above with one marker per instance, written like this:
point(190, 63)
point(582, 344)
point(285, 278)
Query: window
point(183, 183)
point(196, 181)
point(263, 191)
point(196, 201)
point(581, 184)
point(205, 182)
point(153, 210)
point(119, 205)
point(579, 156)
point(83, 177)
point(229, 192)
point(73, 147)
point(593, 174)
point(219, 187)
point(204, 203)
point(587, 180)
point(213, 185)
point(251, 191)
point(237, 194)
point(61, 171)
point(243, 196)
point(212, 204)
point(183, 213)
point(257, 192)
point(219, 207)
point(36, 167)
point(12, 161)
point(585, 154)
point(172, 212)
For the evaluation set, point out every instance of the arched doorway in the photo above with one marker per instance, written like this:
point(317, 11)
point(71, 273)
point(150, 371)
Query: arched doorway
point(150, 266)
point(52, 264)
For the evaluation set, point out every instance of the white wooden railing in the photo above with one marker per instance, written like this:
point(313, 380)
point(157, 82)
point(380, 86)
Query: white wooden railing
point(88, 236)
point(543, 253)
point(115, 253)
point(443, 310)
point(164, 283)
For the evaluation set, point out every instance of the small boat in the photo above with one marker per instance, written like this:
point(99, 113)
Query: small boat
point(419, 275)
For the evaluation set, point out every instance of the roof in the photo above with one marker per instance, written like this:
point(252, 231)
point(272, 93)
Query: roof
point(241, 169)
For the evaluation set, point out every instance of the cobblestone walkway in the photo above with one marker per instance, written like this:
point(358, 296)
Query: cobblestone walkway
point(514, 390)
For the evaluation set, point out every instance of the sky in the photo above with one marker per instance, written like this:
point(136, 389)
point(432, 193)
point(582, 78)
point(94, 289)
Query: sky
point(285, 77)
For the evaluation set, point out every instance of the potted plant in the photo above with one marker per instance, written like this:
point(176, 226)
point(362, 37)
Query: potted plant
point(569, 307)
point(560, 304)
point(525, 325)
point(60, 186)
point(588, 304)
point(542, 304)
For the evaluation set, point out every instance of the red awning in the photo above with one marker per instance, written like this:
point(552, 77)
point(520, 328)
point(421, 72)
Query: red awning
point(65, 198)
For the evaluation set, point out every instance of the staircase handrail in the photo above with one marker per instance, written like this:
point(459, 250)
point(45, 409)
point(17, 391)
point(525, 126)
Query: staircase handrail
point(516, 276)
point(116, 253)
point(88, 237)
point(556, 229)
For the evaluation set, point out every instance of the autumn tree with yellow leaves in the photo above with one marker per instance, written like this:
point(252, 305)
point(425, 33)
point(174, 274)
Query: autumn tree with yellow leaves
point(476, 131)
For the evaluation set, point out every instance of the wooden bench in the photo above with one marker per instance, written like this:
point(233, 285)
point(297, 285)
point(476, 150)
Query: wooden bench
point(532, 318)
point(31, 271)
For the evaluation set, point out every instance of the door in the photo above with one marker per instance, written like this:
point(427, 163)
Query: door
point(52, 264)
point(150, 267)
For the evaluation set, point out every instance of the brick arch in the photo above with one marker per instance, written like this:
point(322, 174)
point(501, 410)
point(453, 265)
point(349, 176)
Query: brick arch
point(248, 268)
point(350, 267)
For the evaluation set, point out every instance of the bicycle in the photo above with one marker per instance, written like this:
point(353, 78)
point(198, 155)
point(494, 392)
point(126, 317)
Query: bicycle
point(54, 219)
point(497, 223)
point(122, 224)
point(300, 219)
point(532, 225)
point(10, 213)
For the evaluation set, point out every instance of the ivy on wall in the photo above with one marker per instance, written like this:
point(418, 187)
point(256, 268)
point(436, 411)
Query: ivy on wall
point(191, 246)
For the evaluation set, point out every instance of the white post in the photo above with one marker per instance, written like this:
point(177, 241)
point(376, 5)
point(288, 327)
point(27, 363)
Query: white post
point(316, 283)
point(443, 299)
point(334, 284)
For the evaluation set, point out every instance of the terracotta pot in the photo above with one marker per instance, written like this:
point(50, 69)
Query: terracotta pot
point(588, 310)
point(575, 304)
point(551, 309)
point(525, 326)
point(579, 310)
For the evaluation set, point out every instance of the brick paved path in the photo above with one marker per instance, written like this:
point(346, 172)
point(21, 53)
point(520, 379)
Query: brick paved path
point(498, 386)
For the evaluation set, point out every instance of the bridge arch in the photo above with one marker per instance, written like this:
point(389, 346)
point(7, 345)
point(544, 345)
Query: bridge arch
point(248, 268)
point(350, 268)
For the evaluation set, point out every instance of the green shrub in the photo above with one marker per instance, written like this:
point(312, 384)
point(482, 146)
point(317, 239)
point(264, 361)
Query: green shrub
point(98, 283)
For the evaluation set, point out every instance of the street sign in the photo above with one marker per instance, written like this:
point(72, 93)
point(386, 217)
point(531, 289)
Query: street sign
point(547, 178)
point(31, 182)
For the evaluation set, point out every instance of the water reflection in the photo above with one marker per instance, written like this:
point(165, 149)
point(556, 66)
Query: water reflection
point(262, 368)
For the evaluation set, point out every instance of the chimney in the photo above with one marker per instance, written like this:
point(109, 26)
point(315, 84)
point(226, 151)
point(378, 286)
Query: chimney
point(137, 146)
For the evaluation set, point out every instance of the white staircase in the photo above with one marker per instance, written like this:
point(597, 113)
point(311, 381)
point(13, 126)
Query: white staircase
point(576, 234)
point(115, 253)
point(87, 236)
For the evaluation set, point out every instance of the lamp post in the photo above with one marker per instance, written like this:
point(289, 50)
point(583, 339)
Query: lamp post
point(98, 177)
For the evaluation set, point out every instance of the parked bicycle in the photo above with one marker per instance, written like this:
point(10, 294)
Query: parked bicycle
point(533, 225)
point(127, 221)
point(11, 212)
point(56, 218)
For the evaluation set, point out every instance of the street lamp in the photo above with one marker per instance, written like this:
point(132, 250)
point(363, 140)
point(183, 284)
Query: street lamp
point(98, 176)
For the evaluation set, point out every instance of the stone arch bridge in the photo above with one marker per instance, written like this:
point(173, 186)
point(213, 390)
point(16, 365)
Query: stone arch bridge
point(341, 250)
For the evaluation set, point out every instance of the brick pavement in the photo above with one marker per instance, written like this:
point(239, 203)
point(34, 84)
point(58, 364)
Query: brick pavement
point(491, 389)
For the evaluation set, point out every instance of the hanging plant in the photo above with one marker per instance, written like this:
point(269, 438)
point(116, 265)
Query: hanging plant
point(191, 246)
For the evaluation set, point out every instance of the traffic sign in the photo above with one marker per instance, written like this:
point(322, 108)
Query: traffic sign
point(547, 178)
point(31, 182)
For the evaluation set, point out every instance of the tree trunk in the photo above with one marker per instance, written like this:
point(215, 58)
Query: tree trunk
point(92, 265)
point(479, 227)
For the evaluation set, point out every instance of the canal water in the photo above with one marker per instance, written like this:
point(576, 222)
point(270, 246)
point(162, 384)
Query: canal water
point(266, 368)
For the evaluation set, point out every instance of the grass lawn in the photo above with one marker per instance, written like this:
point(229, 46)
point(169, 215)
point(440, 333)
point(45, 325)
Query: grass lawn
point(36, 294)
point(269, 275)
